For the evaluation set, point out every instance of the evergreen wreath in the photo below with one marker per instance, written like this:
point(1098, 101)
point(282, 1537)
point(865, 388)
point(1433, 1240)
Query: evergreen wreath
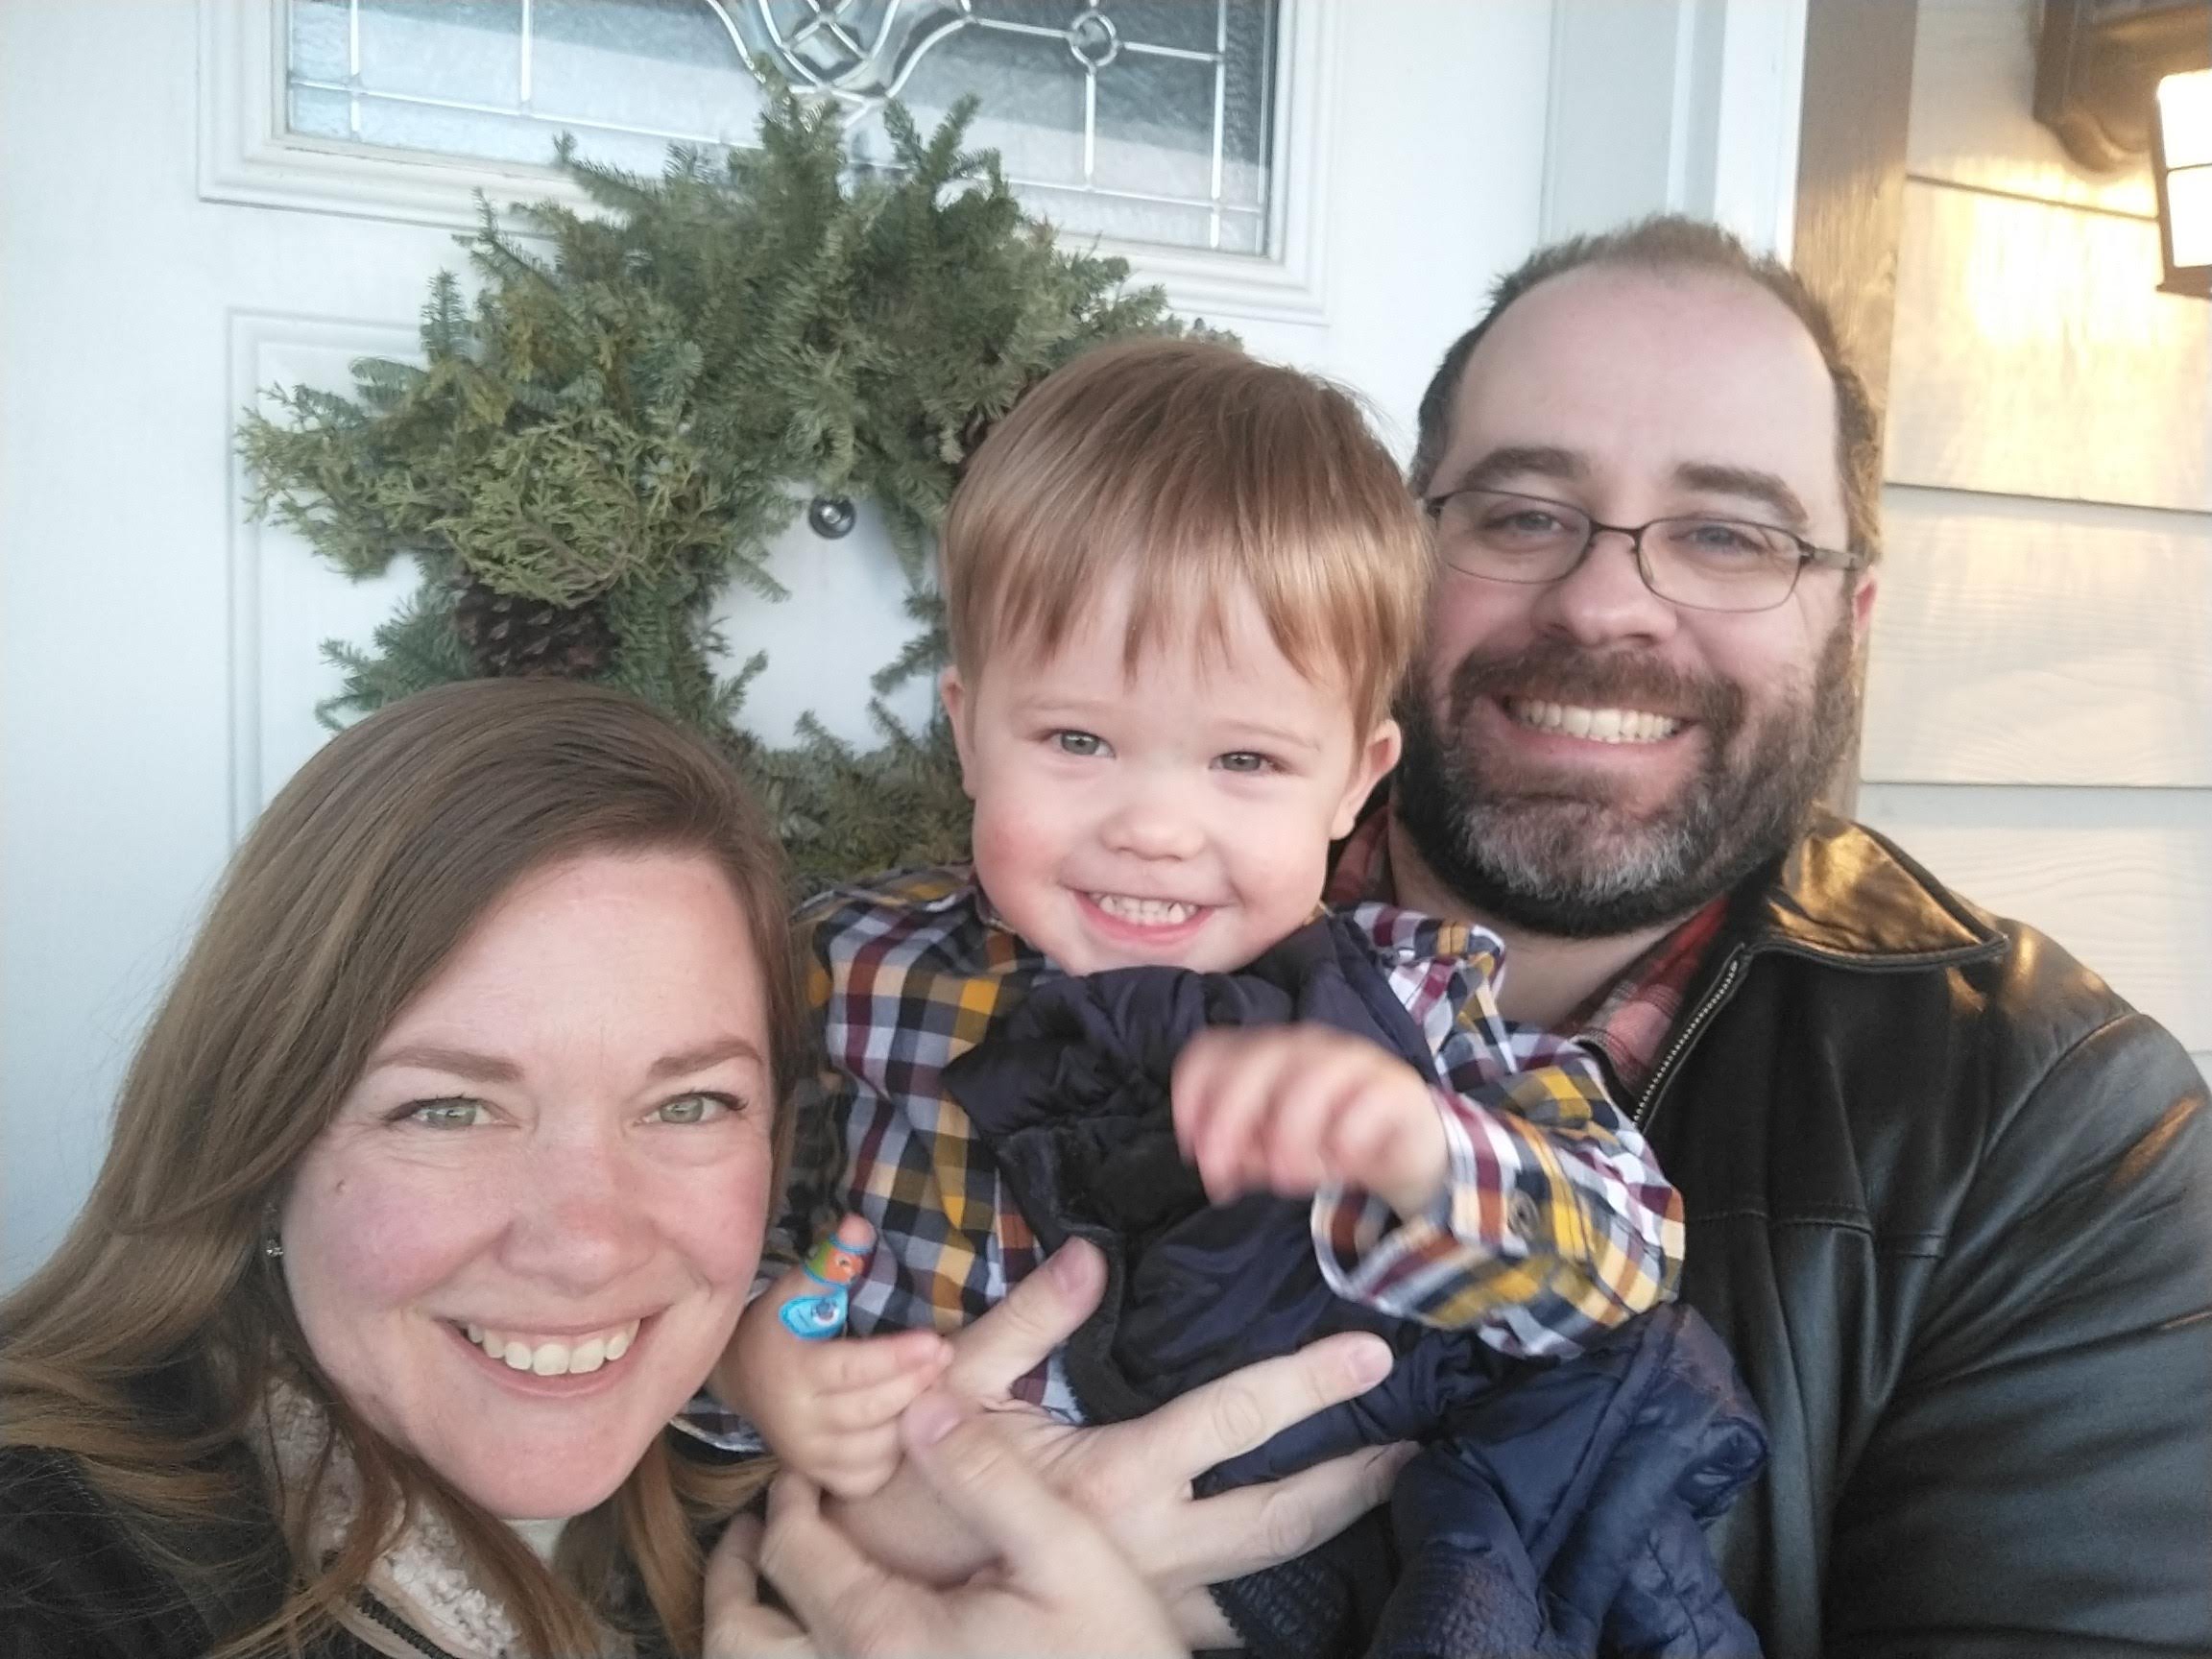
point(612, 431)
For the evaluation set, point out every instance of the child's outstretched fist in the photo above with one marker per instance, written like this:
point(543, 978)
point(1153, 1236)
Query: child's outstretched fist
point(1290, 1109)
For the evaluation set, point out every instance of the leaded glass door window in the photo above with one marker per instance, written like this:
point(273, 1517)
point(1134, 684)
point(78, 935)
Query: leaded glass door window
point(1140, 120)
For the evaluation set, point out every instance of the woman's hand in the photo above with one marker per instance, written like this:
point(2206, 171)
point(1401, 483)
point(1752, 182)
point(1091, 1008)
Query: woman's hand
point(1058, 1586)
point(1134, 1479)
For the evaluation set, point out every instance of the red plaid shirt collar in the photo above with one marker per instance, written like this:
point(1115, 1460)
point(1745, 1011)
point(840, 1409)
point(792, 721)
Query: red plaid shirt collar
point(1626, 1022)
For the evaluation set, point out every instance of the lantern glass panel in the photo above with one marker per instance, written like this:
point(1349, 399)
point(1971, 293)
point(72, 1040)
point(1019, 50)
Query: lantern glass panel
point(2185, 118)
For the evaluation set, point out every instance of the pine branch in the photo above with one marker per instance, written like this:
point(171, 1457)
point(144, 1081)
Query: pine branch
point(444, 320)
point(841, 812)
point(415, 649)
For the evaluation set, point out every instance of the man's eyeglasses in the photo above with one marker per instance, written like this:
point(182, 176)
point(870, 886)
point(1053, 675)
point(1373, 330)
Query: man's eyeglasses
point(1701, 561)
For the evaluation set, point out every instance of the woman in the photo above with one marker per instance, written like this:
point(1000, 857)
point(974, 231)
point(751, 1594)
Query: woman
point(436, 1186)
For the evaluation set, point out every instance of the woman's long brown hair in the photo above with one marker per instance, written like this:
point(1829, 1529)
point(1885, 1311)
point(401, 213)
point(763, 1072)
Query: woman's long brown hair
point(356, 887)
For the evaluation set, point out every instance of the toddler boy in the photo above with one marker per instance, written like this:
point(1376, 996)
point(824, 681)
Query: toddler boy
point(1182, 587)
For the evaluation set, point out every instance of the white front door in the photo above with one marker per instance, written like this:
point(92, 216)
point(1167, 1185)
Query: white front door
point(168, 247)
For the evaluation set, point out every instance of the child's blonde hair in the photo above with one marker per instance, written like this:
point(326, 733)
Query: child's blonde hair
point(1198, 470)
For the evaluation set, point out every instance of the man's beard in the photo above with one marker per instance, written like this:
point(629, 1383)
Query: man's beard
point(1562, 860)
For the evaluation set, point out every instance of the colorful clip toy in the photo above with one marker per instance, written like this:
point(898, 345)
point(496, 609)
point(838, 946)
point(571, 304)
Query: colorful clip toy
point(834, 1264)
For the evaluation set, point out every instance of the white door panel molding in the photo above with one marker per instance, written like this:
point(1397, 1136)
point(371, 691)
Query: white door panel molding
point(284, 601)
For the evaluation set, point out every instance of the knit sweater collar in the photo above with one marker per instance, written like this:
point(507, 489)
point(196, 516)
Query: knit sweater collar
point(425, 1575)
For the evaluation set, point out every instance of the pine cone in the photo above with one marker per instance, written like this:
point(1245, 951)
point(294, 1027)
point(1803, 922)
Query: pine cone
point(510, 634)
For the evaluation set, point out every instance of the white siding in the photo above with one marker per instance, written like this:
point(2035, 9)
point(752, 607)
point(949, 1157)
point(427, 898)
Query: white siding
point(2040, 687)
point(2121, 877)
point(1973, 79)
point(2029, 641)
point(2035, 355)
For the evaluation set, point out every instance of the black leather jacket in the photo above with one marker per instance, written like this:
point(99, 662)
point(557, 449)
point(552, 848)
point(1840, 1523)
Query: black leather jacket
point(1950, 1203)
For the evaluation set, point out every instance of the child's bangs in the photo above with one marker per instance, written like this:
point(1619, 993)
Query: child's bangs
point(1188, 549)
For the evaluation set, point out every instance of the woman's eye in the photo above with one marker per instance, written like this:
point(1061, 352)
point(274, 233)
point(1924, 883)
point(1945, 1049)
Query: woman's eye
point(1083, 743)
point(1245, 761)
point(693, 1109)
point(447, 1114)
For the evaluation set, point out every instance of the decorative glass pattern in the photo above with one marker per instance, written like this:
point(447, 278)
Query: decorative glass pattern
point(1145, 120)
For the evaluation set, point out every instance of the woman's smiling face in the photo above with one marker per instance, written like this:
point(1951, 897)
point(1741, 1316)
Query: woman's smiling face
point(529, 1230)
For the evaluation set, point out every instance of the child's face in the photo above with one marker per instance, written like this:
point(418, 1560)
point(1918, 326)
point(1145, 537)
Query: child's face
point(1181, 814)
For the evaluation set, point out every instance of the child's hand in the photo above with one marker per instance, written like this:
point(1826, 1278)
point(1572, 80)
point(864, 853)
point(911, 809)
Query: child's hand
point(1291, 1108)
point(830, 1408)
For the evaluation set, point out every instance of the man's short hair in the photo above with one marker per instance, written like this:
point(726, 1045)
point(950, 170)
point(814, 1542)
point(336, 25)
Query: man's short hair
point(1669, 241)
point(1195, 471)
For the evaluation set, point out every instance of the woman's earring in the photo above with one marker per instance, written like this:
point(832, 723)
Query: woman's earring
point(273, 1248)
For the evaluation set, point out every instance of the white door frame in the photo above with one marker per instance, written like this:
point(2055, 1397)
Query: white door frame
point(1675, 107)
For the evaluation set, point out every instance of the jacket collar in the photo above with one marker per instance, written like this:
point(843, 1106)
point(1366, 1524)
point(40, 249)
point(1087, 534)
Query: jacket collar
point(1847, 894)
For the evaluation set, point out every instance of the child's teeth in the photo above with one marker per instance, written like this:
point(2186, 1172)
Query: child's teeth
point(1144, 912)
point(554, 1359)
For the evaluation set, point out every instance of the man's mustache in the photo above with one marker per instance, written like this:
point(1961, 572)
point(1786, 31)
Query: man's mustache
point(1552, 671)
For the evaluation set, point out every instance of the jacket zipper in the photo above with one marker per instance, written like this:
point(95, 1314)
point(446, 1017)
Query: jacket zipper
point(384, 1617)
point(1731, 971)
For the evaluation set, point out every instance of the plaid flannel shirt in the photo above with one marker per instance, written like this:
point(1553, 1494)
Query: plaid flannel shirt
point(1626, 1022)
point(1555, 1224)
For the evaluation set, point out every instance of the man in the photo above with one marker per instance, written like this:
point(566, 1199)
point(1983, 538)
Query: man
point(1949, 1200)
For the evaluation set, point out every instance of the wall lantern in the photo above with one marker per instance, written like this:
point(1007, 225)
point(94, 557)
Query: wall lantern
point(2181, 160)
point(2117, 79)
